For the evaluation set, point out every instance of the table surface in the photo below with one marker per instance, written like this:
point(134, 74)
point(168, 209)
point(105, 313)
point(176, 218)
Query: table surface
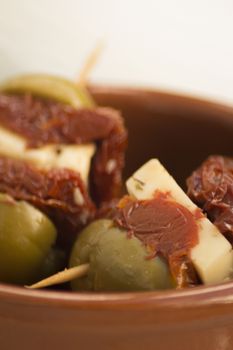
point(177, 45)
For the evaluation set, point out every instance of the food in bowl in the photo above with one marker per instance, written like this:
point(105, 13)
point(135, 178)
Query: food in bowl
point(59, 152)
point(154, 238)
point(157, 239)
point(210, 187)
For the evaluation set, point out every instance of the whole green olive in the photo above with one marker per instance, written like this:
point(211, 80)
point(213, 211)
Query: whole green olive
point(26, 237)
point(49, 86)
point(116, 262)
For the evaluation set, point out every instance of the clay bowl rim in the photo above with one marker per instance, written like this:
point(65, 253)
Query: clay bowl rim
point(169, 299)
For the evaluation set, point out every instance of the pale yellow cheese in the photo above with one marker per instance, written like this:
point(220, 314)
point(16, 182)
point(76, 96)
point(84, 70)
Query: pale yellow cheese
point(74, 157)
point(213, 255)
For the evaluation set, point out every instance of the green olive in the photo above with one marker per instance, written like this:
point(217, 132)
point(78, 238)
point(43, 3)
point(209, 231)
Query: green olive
point(51, 87)
point(117, 262)
point(26, 236)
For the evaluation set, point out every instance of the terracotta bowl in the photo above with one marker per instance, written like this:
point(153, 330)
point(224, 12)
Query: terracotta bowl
point(181, 131)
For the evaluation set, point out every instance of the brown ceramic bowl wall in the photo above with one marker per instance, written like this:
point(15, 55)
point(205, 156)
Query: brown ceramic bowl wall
point(181, 132)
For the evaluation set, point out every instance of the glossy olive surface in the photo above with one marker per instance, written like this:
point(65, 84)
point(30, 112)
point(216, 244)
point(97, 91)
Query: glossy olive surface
point(26, 236)
point(51, 87)
point(117, 262)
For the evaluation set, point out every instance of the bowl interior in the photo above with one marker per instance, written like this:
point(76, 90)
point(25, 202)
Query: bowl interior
point(181, 132)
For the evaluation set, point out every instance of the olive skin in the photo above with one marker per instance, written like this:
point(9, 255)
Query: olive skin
point(51, 87)
point(117, 262)
point(26, 236)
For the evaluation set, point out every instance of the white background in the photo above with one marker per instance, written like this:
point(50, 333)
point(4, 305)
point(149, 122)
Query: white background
point(184, 45)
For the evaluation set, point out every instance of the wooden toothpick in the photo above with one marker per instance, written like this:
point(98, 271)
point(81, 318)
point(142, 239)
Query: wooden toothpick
point(62, 277)
point(89, 63)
